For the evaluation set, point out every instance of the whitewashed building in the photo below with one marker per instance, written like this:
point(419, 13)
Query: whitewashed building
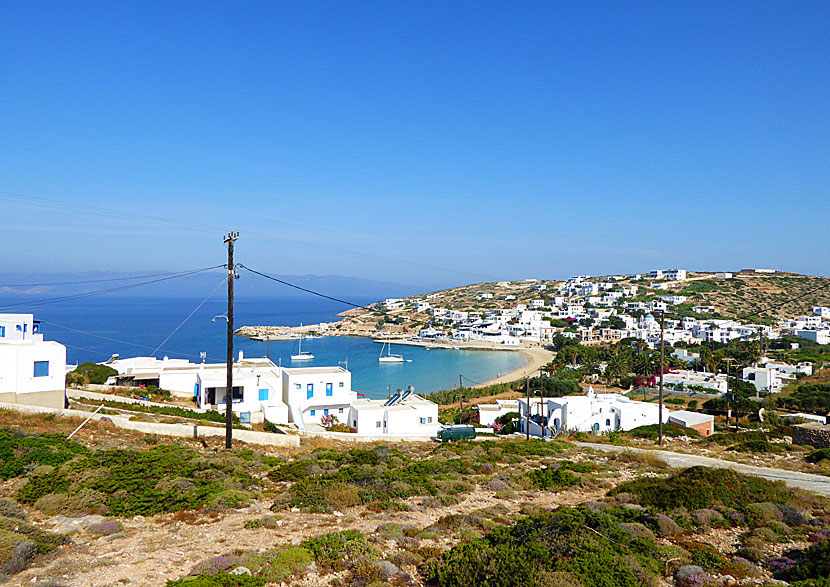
point(405, 413)
point(32, 370)
point(593, 412)
point(313, 392)
point(487, 413)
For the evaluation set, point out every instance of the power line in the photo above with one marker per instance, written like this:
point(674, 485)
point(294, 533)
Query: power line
point(784, 303)
point(175, 330)
point(85, 281)
point(107, 338)
point(109, 290)
point(305, 289)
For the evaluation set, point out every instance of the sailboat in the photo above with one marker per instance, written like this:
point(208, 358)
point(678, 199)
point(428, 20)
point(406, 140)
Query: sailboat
point(389, 357)
point(301, 355)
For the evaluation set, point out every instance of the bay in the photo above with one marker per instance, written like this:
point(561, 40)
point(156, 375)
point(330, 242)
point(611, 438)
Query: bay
point(94, 329)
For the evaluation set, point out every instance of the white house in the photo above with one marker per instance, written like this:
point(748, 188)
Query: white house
point(592, 412)
point(405, 413)
point(723, 275)
point(32, 370)
point(822, 311)
point(703, 309)
point(676, 378)
point(674, 300)
point(819, 336)
point(487, 413)
point(257, 389)
point(313, 392)
point(670, 274)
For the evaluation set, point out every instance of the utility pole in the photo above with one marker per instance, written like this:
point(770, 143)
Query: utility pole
point(230, 238)
point(662, 351)
point(527, 414)
point(542, 398)
point(728, 361)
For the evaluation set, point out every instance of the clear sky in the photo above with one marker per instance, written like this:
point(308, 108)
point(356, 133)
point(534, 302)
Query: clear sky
point(472, 140)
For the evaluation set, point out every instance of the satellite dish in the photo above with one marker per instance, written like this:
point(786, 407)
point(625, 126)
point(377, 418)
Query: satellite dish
point(761, 413)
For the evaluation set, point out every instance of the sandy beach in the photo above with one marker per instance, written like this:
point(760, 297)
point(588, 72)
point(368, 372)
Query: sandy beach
point(536, 357)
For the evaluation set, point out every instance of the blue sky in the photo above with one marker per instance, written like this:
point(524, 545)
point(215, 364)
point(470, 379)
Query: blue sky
point(471, 140)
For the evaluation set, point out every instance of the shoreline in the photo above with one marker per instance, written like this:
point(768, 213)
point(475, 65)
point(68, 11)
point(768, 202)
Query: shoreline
point(536, 357)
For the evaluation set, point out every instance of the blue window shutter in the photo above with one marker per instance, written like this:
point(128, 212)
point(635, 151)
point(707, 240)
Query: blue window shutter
point(196, 390)
point(2, 331)
point(313, 412)
point(326, 412)
point(41, 369)
point(263, 395)
point(329, 389)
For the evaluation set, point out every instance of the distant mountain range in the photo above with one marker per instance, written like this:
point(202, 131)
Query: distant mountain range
point(43, 285)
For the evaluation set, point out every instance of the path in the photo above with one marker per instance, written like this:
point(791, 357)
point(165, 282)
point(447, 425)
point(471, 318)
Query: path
point(816, 483)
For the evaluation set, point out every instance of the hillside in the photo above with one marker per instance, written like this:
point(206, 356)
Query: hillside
point(745, 293)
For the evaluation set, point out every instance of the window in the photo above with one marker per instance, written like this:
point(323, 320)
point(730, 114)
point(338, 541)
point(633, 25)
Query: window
point(423, 420)
point(299, 386)
point(309, 391)
point(326, 412)
point(340, 384)
point(377, 424)
point(263, 395)
point(329, 389)
point(429, 420)
point(2, 332)
point(608, 422)
point(41, 368)
point(313, 412)
point(340, 411)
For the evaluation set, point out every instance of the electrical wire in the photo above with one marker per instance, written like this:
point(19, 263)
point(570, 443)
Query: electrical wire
point(86, 281)
point(305, 289)
point(107, 338)
point(175, 330)
point(109, 290)
point(784, 303)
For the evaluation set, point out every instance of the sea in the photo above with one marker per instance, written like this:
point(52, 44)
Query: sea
point(95, 328)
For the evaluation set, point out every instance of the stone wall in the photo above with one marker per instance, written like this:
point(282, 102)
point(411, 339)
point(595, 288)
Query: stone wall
point(815, 435)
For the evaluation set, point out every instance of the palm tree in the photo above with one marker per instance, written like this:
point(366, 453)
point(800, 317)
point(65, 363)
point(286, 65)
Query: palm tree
point(617, 367)
point(645, 367)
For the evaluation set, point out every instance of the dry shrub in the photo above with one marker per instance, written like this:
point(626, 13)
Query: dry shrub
point(339, 497)
point(11, 509)
point(558, 579)
point(86, 501)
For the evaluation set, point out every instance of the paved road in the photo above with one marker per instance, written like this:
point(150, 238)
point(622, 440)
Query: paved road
point(817, 483)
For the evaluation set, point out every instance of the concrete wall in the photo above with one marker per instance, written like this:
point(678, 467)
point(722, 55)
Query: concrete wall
point(178, 430)
point(47, 399)
point(815, 435)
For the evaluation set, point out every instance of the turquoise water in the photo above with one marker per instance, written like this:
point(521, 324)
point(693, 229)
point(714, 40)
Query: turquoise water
point(429, 370)
point(93, 329)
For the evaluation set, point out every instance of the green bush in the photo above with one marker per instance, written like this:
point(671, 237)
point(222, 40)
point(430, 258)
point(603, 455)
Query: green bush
point(652, 431)
point(701, 487)
point(816, 456)
point(285, 563)
point(573, 544)
point(94, 373)
point(218, 580)
point(20, 451)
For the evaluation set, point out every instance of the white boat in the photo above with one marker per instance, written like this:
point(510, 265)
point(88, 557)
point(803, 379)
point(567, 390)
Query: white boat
point(302, 355)
point(389, 357)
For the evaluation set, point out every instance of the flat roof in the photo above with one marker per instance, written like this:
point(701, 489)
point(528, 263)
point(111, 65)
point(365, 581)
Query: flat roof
point(313, 370)
point(691, 417)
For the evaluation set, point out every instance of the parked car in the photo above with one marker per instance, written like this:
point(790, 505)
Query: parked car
point(456, 432)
